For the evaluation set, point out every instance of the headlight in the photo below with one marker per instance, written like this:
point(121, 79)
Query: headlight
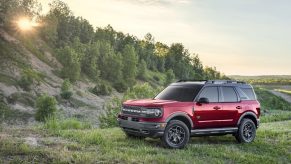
point(152, 112)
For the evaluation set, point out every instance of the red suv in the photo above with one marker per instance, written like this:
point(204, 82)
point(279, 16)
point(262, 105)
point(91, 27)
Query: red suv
point(194, 108)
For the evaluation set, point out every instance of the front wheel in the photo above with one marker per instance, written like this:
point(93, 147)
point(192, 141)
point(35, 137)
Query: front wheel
point(246, 132)
point(176, 135)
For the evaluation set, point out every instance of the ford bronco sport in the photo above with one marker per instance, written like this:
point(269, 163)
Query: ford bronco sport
point(194, 108)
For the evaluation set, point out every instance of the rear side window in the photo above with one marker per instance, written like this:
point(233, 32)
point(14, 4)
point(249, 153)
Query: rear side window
point(249, 92)
point(211, 93)
point(229, 94)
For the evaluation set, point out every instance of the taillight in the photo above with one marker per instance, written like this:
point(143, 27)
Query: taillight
point(259, 111)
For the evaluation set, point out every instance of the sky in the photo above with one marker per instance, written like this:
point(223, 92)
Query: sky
point(238, 37)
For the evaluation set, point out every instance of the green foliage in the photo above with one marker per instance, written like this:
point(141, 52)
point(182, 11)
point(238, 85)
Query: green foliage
point(71, 63)
point(46, 107)
point(275, 115)
point(66, 92)
point(142, 70)
point(53, 124)
point(270, 101)
point(140, 91)
point(170, 76)
point(130, 64)
point(102, 88)
point(111, 110)
point(29, 76)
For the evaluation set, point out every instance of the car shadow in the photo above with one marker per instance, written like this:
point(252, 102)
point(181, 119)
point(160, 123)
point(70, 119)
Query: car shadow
point(201, 140)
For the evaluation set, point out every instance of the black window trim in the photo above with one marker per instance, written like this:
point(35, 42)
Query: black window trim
point(236, 92)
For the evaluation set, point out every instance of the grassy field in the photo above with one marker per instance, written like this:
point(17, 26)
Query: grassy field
point(78, 143)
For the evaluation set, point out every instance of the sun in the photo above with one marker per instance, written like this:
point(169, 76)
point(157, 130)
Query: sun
point(26, 24)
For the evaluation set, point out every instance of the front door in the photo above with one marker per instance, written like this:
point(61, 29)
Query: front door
point(207, 115)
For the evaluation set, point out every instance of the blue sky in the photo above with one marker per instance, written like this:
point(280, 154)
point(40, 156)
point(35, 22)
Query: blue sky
point(245, 37)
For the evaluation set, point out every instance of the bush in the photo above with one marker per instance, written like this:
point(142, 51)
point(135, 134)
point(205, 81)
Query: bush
point(120, 86)
point(28, 77)
point(46, 107)
point(170, 76)
point(111, 110)
point(66, 92)
point(102, 89)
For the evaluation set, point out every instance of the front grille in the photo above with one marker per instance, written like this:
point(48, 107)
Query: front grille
point(132, 110)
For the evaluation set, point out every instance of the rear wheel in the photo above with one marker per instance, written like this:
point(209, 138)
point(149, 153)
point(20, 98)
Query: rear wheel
point(176, 135)
point(246, 132)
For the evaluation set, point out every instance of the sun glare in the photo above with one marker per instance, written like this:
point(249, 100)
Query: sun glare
point(26, 24)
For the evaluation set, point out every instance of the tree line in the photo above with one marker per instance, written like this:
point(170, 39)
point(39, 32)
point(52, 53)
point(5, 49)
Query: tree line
point(104, 54)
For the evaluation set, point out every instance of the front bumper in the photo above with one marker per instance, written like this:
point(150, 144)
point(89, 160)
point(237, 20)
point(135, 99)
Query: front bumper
point(145, 129)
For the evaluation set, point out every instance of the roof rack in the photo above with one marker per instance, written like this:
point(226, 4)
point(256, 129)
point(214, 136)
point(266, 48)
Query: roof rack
point(224, 82)
point(214, 81)
point(185, 80)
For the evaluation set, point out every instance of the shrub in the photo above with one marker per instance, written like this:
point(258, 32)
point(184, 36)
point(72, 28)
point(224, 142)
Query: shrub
point(46, 107)
point(120, 86)
point(111, 110)
point(28, 77)
point(170, 76)
point(102, 89)
point(66, 92)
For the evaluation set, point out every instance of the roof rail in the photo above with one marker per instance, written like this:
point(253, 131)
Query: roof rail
point(224, 82)
point(185, 80)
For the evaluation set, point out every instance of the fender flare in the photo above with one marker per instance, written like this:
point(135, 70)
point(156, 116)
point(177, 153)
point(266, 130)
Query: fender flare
point(246, 114)
point(183, 114)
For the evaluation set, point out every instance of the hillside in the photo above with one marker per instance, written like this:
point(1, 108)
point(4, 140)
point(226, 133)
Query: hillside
point(43, 54)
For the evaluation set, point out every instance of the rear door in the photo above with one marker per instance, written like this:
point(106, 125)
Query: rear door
point(207, 115)
point(231, 104)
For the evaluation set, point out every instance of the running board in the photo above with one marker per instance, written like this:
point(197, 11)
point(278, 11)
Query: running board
point(213, 131)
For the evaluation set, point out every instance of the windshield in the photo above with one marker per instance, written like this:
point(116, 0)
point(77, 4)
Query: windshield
point(179, 93)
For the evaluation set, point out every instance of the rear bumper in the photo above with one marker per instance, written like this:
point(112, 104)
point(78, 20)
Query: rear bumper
point(145, 129)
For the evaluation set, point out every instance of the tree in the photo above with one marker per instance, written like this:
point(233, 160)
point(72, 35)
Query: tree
point(46, 107)
point(170, 76)
point(142, 70)
point(90, 61)
point(71, 63)
point(129, 64)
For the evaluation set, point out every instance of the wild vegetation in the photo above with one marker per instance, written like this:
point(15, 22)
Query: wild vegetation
point(112, 61)
point(103, 53)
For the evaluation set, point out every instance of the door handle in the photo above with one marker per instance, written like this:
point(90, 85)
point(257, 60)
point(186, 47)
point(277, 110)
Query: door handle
point(216, 107)
point(238, 107)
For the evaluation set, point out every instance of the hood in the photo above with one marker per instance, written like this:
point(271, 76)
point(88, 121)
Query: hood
point(148, 102)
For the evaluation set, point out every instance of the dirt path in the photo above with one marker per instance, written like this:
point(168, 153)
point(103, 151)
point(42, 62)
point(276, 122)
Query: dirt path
point(283, 95)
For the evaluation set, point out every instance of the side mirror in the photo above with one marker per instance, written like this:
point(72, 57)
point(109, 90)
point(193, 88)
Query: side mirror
point(203, 100)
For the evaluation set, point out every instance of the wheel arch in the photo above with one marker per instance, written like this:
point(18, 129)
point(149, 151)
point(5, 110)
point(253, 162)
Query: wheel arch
point(181, 116)
point(249, 115)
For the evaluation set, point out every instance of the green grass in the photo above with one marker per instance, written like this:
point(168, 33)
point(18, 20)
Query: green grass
point(81, 144)
point(270, 101)
point(275, 115)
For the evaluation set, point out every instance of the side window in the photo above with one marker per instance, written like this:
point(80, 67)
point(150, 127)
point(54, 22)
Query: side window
point(211, 93)
point(228, 94)
point(249, 92)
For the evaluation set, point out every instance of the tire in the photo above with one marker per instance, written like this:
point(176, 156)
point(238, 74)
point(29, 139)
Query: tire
point(176, 135)
point(246, 131)
point(128, 135)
